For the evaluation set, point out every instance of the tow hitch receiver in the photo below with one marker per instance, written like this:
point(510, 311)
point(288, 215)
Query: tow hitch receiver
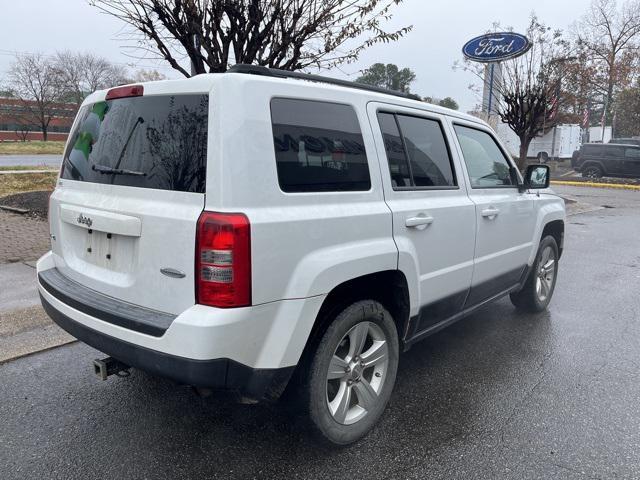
point(110, 366)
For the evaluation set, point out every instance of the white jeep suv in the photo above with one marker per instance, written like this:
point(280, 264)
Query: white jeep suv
point(229, 230)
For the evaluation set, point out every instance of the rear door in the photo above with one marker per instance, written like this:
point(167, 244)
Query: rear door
point(124, 213)
point(433, 218)
point(632, 161)
point(504, 216)
point(614, 160)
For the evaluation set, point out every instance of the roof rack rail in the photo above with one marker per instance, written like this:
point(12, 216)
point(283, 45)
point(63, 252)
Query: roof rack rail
point(275, 72)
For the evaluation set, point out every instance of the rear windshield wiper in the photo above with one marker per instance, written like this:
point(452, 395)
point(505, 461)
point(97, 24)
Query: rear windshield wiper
point(116, 171)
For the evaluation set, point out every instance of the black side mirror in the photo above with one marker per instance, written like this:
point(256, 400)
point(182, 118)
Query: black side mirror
point(537, 176)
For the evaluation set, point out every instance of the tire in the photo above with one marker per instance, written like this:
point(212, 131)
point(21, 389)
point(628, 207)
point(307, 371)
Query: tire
point(592, 171)
point(541, 281)
point(335, 406)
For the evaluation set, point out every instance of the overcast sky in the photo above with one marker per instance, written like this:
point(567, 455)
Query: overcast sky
point(440, 28)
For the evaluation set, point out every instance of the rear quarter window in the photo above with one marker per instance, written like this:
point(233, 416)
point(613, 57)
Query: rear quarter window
point(318, 146)
point(632, 153)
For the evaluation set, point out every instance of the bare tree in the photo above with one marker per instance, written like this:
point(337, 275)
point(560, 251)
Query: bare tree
point(33, 81)
point(286, 34)
point(578, 90)
point(529, 89)
point(82, 73)
point(608, 39)
point(628, 112)
point(21, 128)
point(148, 76)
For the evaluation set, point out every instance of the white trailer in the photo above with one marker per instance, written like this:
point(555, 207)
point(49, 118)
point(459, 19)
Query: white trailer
point(595, 134)
point(560, 142)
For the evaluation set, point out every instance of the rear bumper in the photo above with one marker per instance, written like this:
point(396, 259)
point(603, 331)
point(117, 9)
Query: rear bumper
point(219, 373)
point(252, 350)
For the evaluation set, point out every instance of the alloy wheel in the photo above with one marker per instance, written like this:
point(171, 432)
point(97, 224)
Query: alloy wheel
point(546, 273)
point(357, 373)
point(592, 172)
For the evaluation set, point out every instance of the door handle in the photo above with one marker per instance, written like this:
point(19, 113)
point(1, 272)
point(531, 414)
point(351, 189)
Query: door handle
point(420, 220)
point(490, 213)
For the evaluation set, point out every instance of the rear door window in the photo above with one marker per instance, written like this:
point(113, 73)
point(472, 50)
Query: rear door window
point(318, 146)
point(614, 152)
point(417, 152)
point(394, 146)
point(155, 142)
point(427, 152)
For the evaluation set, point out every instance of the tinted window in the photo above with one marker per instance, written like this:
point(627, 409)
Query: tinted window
point(486, 163)
point(426, 161)
point(427, 152)
point(632, 152)
point(398, 164)
point(614, 151)
point(626, 141)
point(593, 149)
point(150, 142)
point(318, 147)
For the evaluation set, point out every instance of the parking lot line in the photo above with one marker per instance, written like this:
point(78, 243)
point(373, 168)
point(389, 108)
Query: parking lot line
point(596, 185)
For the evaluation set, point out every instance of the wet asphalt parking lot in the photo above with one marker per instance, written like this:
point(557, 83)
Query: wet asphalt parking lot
point(497, 395)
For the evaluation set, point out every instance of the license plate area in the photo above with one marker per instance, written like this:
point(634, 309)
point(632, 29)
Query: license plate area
point(89, 247)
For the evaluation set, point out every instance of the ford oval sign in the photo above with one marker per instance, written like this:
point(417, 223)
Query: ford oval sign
point(495, 47)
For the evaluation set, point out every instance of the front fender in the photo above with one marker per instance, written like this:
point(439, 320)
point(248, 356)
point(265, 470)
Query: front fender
point(551, 208)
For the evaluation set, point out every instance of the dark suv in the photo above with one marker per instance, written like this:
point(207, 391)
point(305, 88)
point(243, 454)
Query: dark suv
point(627, 141)
point(596, 160)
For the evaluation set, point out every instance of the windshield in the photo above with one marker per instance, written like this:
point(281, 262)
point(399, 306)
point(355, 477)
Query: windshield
point(148, 142)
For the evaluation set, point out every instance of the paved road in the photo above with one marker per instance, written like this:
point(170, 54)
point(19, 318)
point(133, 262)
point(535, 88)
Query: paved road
point(30, 160)
point(497, 395)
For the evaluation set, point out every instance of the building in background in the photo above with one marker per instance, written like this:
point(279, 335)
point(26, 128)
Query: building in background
point(17, 123)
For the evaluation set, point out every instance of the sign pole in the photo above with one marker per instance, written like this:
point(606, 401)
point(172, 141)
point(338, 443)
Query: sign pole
point(491, 70)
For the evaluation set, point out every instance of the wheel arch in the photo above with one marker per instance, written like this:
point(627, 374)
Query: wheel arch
point(555, 228)
point(388, 287)
point(550, 220)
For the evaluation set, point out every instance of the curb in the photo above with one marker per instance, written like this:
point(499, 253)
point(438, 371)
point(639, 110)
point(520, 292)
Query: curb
point(596, 185)
point(21, 211)
point(20, 172)
point(4, 361)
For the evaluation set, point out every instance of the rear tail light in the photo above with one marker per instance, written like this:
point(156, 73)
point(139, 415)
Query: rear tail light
point(223, 260)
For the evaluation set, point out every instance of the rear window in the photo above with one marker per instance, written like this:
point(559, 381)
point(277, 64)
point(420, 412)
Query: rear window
point(318, 146)
point(148, 142)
